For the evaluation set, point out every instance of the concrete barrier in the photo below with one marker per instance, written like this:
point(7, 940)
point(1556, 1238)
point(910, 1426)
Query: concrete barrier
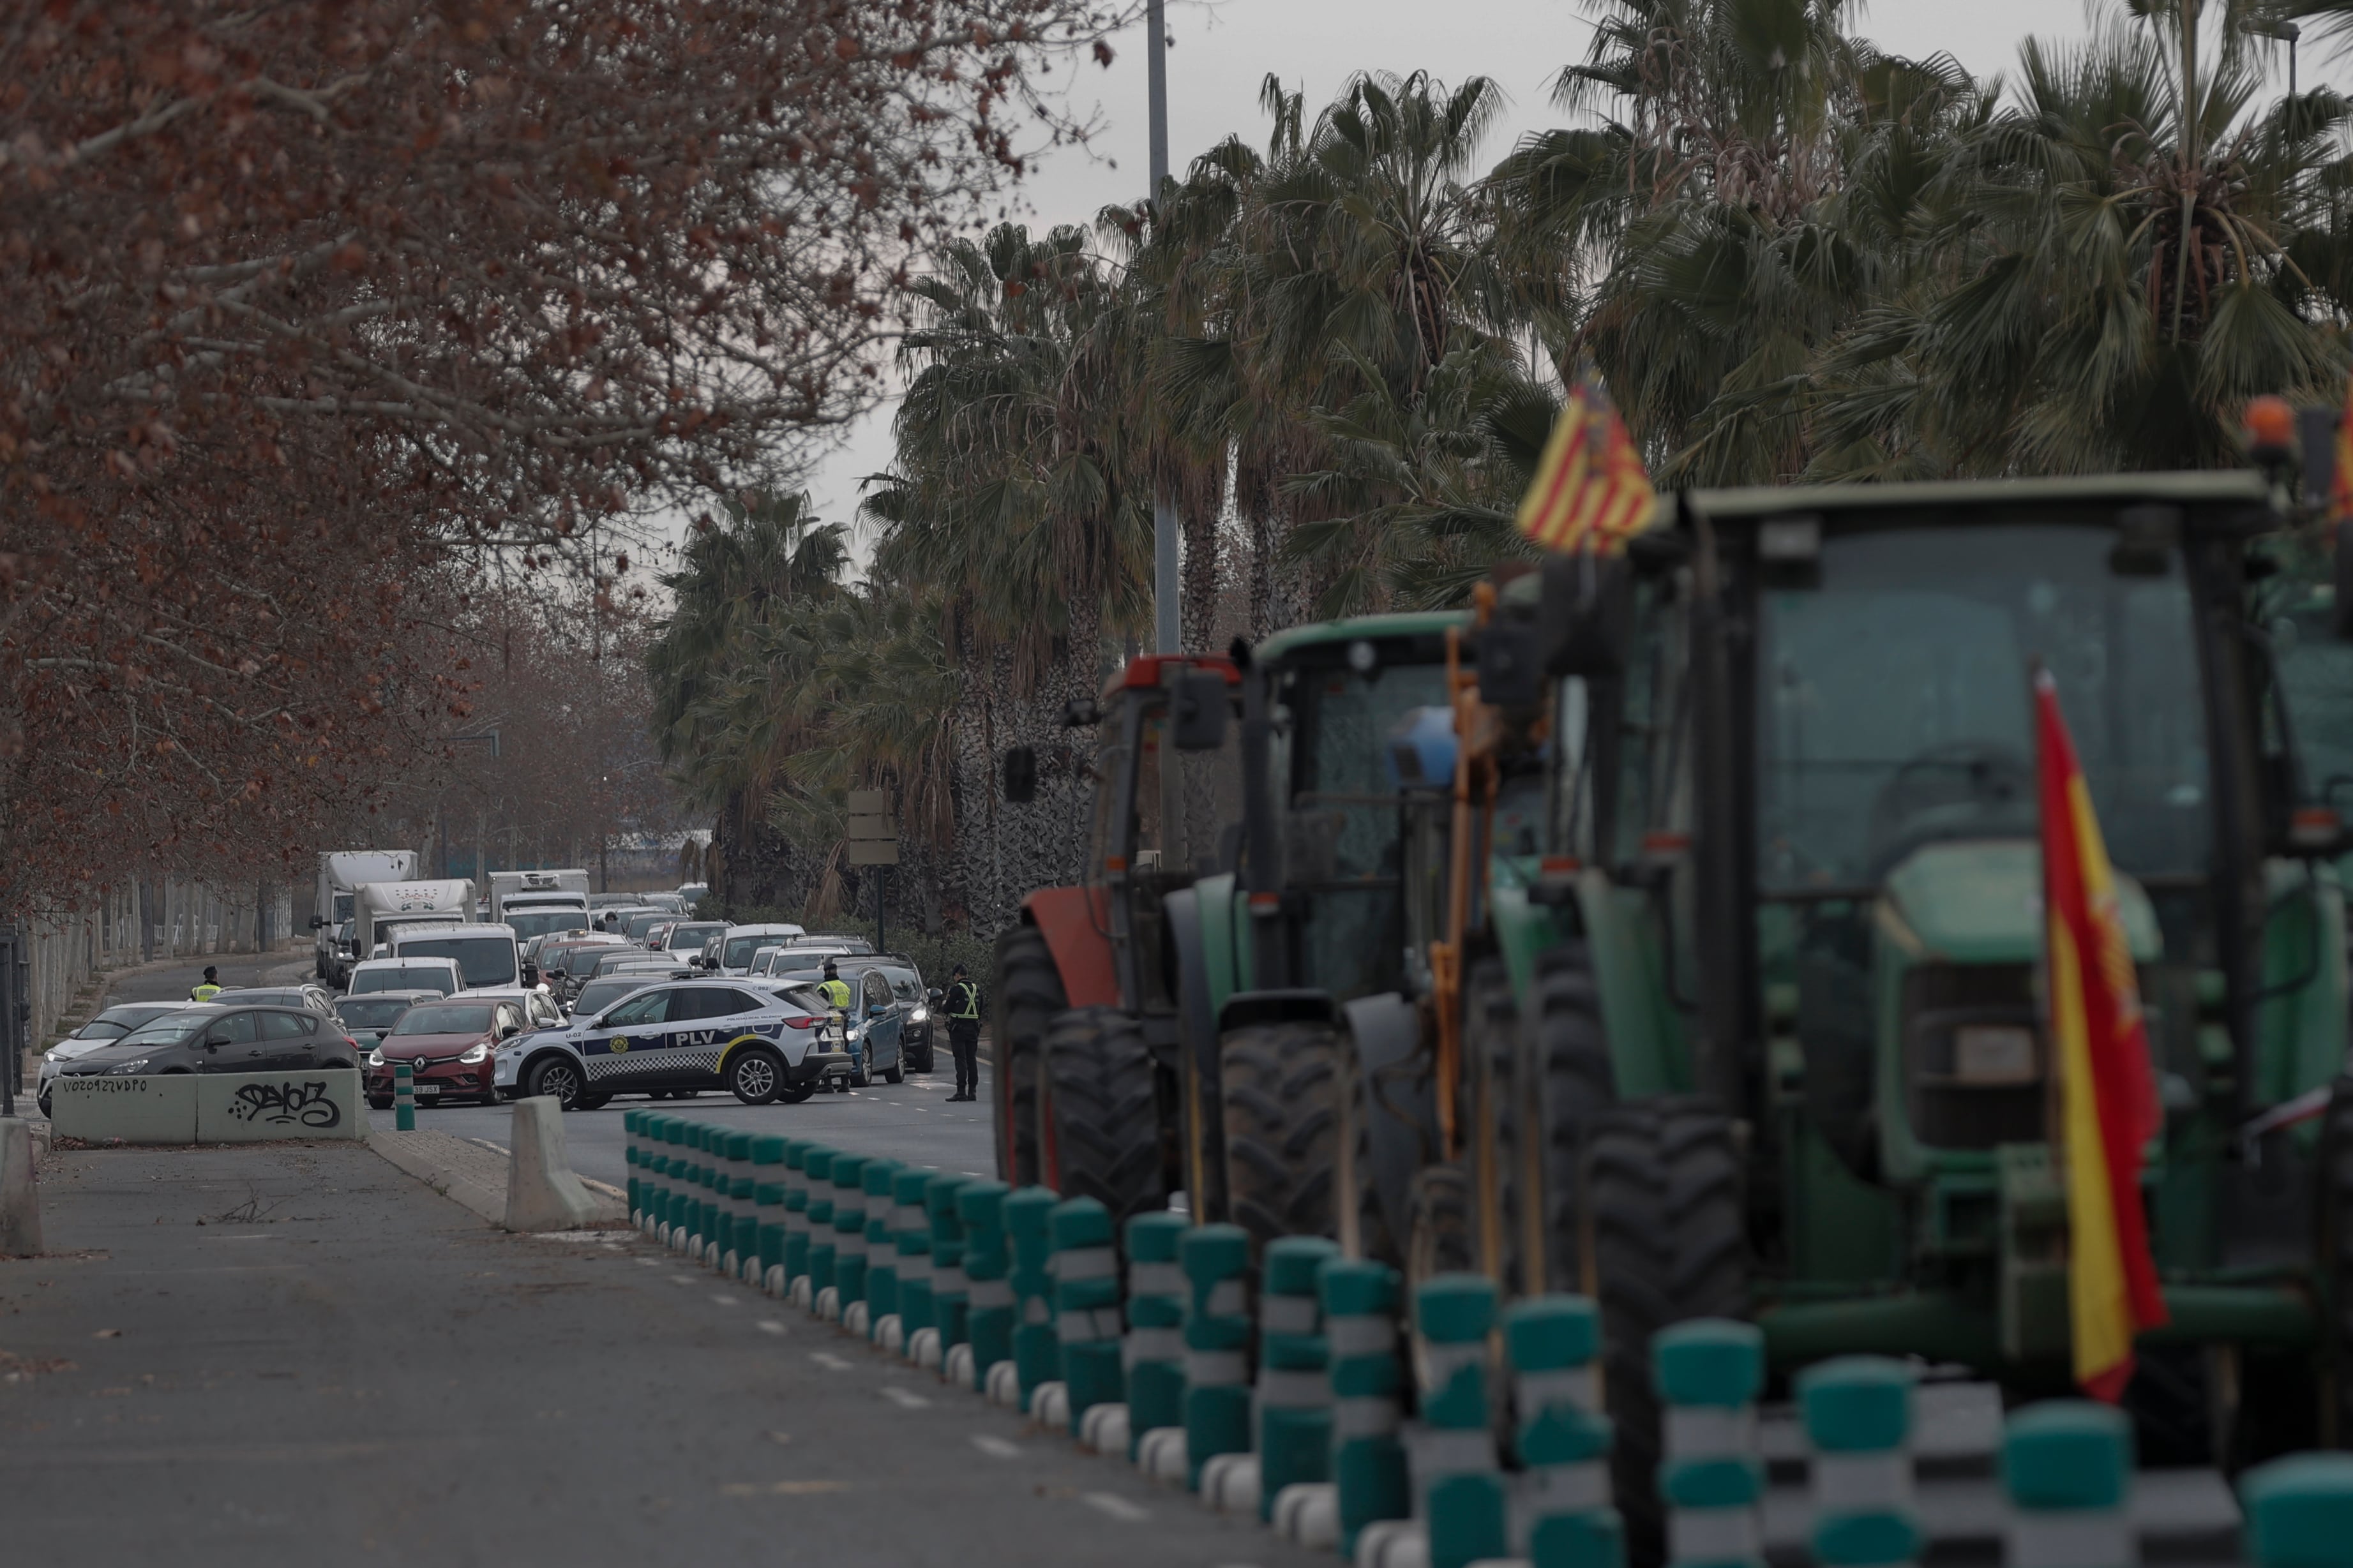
point(158, 1110)
point(20, 1200)
point(542, 1192)
point(259, 1107)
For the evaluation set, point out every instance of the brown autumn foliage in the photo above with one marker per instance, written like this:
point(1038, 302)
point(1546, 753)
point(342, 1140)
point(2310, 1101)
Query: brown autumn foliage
point(311, 307)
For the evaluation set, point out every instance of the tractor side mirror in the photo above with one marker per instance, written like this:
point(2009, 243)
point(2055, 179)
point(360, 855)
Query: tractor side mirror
point(1198, 705)
point(1021, 775)
point(1588, 615)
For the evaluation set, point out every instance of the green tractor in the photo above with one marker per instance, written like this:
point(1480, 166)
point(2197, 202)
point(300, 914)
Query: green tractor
point(1768, 1040)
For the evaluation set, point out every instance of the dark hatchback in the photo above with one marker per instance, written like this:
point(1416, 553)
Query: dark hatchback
point(206, 1037)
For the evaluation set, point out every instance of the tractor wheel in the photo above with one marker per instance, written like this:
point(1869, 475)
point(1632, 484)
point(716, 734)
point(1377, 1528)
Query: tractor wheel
point(1445, 1238)
point(1666, 1241)
point(1495, 1115)
point(1105, 1141)
point(1363, 1224)
point(1573, 1081)
point(1027, 995)
point(1279, 1092)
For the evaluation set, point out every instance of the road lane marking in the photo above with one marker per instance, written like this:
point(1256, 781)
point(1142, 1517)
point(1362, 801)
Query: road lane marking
point(905, 1398)
point(725, 1299)
point(829, 1361)
point(996, 1448)
point(770, 1326)
point(1119, 1508)
point(685, 1280)
point(782, 1488)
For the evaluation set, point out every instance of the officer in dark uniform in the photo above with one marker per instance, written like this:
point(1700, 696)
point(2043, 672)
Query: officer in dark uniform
point(963, 1034)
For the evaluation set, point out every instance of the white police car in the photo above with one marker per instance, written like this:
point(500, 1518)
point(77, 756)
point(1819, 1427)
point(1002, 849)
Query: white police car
point(759, 1044)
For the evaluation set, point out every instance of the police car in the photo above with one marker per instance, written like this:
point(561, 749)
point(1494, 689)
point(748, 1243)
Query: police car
point(761, 1044)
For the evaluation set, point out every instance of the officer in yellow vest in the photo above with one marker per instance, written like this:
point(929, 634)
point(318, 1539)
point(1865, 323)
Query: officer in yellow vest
point(963, 1034)
point(836, 996)
point(209, 989)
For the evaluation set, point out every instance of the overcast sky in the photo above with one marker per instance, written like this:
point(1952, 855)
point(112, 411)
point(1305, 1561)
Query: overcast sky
point(1224, 49)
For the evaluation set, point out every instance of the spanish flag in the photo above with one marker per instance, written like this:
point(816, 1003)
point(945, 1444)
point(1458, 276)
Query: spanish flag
point(2108, 1106)
point(1590, 491)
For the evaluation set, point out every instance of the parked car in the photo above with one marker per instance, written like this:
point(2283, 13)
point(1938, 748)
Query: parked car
point(100, 1031)
point(440, 975)
point(367, 1019)
point(205, 1037)
point(317, 998)
point(838, 943)
point(741, 942)
point(608, 989)
point(758, 1042)
point(643, 922)
point(876, 1021)
point(446, 1045)
point(688, 938)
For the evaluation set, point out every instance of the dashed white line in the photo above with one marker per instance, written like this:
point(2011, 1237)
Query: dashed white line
point(770, 1326)
point(725, 1299)
point(1119, 1508)
point(829, 1361)
point(685, 1280)
point(996, 1448)
point(905, 1398)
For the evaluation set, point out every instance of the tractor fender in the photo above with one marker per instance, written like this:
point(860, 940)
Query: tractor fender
point(1076, 924)
point(1385, 1034)
point(1245, 1009)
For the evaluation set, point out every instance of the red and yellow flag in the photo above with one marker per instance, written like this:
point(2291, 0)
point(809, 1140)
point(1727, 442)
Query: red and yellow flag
point(2341, 487)
point(2108, 1106)
point(1590, 491)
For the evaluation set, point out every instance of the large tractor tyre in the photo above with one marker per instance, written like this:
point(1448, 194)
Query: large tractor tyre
point(1362, 1222)
point(1103, 1140)
point(1494, 1119)
point(1572, 1080)
point(1279, 1093)
point(1666, 1242)
point(1443, 1234)
point(1027, 995)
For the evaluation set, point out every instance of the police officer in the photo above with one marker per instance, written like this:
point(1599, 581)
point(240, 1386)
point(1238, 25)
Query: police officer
point(836, 996)
point(209, 989)
point(963, 1034)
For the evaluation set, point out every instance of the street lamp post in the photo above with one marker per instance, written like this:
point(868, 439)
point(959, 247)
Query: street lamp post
point(1167, 635)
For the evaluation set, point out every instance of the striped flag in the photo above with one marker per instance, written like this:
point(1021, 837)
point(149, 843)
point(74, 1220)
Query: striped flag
point(1590, 492)
point(2108, 1106)
point(2340, 485)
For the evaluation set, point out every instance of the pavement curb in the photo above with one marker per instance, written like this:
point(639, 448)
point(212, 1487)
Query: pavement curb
point(417, 1159)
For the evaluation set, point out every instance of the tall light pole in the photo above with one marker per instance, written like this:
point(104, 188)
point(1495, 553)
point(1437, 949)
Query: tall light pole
point(1168, 636)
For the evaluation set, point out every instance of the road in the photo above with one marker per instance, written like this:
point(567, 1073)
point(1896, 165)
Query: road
point(287, 1354)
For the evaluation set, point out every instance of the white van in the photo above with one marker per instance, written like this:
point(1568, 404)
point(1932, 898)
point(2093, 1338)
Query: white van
point(406, 974)
point(488, 954)
point(341, 874)
point(513, 891)
point(381, 907)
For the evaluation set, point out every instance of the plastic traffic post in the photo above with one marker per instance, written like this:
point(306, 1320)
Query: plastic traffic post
point(404, 1098)
point(1858, 1417)
point(881, 1245)
point(1561, 1516)
point(1709, 1372)
point(1367, 1374)
point(988, 1263)
point(739, 1237)
point(767, 1210)
point(707, 1183)
point(674, 1187)
point(797, 1225)
point(630, 1159)
point(1036, 1355)
point(951, 1295)
point(1214, 1258)
point(820, 1166)
point(1155, 1349)
point(911, 1229)
point(2067, 1470)
point(718, 1195)
point(1294, 1383)
point(644, 1210)
point(1085, 1266)
point(1453, 1450)
point(2299, 1512)
point(848, 1235)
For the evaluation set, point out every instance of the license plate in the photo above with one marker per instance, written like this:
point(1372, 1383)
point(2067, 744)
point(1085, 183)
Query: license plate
point(425, 1090)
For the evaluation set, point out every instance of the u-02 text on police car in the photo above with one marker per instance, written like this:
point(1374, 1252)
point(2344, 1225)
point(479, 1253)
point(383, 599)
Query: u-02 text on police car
point(758, 1043)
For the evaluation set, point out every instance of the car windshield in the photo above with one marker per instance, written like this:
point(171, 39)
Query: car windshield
point(103, 1027)
point(364, 1013)
point(600, 994)
point(482, 960)
point(904, 985)
point(402, 977)
point(1895, 709)
point(740, 949)
point(528, 923)
point(445, 1018)
point(168, 1030)
point(640, 924)
point(343, 906)
point(690, 937)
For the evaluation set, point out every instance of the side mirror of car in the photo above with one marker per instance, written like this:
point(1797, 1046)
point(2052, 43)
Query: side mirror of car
point(317, 924)
point(935, 994)
point(510, 1031)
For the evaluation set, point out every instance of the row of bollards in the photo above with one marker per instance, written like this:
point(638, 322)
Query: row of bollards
point(1295, 1407)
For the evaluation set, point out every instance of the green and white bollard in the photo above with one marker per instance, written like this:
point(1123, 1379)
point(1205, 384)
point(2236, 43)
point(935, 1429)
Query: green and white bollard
point(1858, 1418)
point(739, 1228)
point(848, 1237)
point(794, 1266)
point(1295, 1378)
point(1085, 1266)
point(2067, 1471)
point(675, 1186)
point(989, 1309)
point(1367, 1374)
point(705, 1223)
point(1455, 1468)
point(882, 1252)
point(1154, 1352)
point(1709, 1372)
point(1215, 1258)
point(630, 1162)
point(910, 1230)
point(767, 1210)
point(820, 1166)
point(1037, 1354)
point(2299, 1512)
point(951, 1293)
point(404, 1098)
point(1561, 1515)
point(643, 1210)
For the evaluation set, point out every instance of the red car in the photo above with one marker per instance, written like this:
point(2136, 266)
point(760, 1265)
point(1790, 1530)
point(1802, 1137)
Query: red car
point(448, 1046)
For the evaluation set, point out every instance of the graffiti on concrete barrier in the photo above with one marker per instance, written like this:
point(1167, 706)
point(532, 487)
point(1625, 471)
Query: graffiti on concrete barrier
point(286, 1103)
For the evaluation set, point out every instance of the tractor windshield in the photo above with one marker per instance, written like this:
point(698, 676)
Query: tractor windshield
point(1894, 710)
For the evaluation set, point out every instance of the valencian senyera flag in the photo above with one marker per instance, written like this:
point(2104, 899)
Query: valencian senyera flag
point(1589, 492)
point(2106, 1095)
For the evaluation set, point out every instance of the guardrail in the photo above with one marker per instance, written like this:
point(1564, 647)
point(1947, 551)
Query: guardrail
point(1020, 1296)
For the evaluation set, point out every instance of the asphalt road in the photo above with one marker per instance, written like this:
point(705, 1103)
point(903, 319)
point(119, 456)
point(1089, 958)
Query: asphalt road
point(295, 1355)
point(236, 968)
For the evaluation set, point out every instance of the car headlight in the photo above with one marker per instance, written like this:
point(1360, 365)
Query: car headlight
point(375, 1058)
point(920, 1015)
point(475, 1057)
point(852, 1032)
point(131, 1065)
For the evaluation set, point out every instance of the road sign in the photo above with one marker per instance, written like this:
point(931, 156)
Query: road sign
point(870, 803)
point(868, 852)
point(873, 827)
